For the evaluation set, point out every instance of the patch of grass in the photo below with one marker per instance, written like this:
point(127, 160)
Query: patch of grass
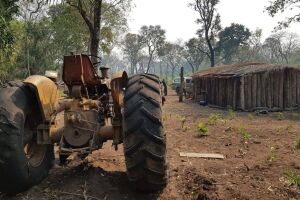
point(245, 134)
point(298, 143)
point(231, 113)
point(183, 120)
point(289, 127)
point(186, 128)
point(273, 156)
point(280, 116)
point(202, 129)
point(250, 116)
point(213, 118)
point(293, 178)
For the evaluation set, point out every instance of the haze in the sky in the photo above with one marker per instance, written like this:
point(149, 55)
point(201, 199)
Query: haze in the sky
point(178, 19)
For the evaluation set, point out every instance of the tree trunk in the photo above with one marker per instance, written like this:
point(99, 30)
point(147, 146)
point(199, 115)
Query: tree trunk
point(95, 34)
point(181, 85)
point(149, 63)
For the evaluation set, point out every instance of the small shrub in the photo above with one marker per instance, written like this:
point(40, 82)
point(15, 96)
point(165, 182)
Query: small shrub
point(231, 113)
point(289, 127)
point(280, 116)
point(185, 128)
point(250, 116)
point(183, 120)
point(213, 118)
point(273, 155)
point(243, 131)
point(293, 178)
point(202, 129)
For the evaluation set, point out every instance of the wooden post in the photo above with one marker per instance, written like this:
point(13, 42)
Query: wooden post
point(263, 90)
point(298, 87)
point(181, 85)
point(281, 88)
point(242, 92)
point(258, 97)
point(254, 90)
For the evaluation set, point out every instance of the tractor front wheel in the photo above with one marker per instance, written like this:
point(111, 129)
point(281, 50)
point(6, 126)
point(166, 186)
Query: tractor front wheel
point(144, 138)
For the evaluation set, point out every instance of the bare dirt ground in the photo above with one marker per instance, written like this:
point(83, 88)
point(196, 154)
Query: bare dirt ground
point(259, 151)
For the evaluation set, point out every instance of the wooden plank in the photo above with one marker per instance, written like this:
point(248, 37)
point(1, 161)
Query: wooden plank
point(234, 101)
point(298, 88)
point(229, 92)
point(268, 91)
point(254, 91)
point(285, 89)
point(202, 155)
point(242, 93)
point(280, 89)
point(294, 86)
point(259, 88)
point(275, 89)
point(263, 90)
point(288, 89)
point(249, 92)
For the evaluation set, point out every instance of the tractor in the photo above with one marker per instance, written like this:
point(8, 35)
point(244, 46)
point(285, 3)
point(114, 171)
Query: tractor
point(35, 117)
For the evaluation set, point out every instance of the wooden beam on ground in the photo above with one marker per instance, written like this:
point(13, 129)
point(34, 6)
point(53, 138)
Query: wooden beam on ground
point(202, 155)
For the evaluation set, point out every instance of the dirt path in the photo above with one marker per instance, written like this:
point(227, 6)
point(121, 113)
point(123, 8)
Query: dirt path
point(259, 150)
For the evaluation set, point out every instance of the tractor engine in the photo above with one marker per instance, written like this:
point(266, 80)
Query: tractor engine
point(90, 117)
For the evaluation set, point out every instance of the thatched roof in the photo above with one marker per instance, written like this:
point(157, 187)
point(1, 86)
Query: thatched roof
point(239, 69)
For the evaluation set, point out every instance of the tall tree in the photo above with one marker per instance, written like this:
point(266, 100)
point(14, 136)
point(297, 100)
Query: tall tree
point(7, 9)
point(231, 39)
point(69, 33)
point(132, 46)
point(279, 47)
point(277, 6)
point(154, 38)
point(210, 25)
point(92, 13)
point(173, 56)
point(193, 52)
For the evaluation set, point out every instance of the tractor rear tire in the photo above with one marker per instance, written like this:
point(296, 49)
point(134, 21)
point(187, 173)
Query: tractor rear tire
point(144, 138)
point(23, 163)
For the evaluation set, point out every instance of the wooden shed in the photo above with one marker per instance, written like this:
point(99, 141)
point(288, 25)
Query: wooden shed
point(249, 87)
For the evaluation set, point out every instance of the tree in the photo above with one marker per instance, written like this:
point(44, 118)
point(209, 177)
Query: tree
point(7, 9)
point(210, 25)
point(173, 54)
point(231, 39)
point(193, 52)
point(132, 46)
point(93, 13)
point(68, 31)
point(280, 47)
point(277, 6)
point(154, 38)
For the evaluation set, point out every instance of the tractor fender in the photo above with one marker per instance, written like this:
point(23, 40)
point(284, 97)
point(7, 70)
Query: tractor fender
point(117, 84)
point(47, 94)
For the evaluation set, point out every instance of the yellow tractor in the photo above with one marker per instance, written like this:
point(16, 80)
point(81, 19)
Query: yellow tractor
point(34, 117)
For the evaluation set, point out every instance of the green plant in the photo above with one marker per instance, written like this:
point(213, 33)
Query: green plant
point(273, 156)
point(183, 120)
point(231, 113)
point(250, 116)
point(243, 131)
point(280, 116)
point(185, 128)
point(298, 143)
point(213, 118)
point(289, 127)
point(293, 178)
point(202, 129)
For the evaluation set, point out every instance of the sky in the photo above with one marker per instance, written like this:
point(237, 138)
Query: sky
point(178, 19)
